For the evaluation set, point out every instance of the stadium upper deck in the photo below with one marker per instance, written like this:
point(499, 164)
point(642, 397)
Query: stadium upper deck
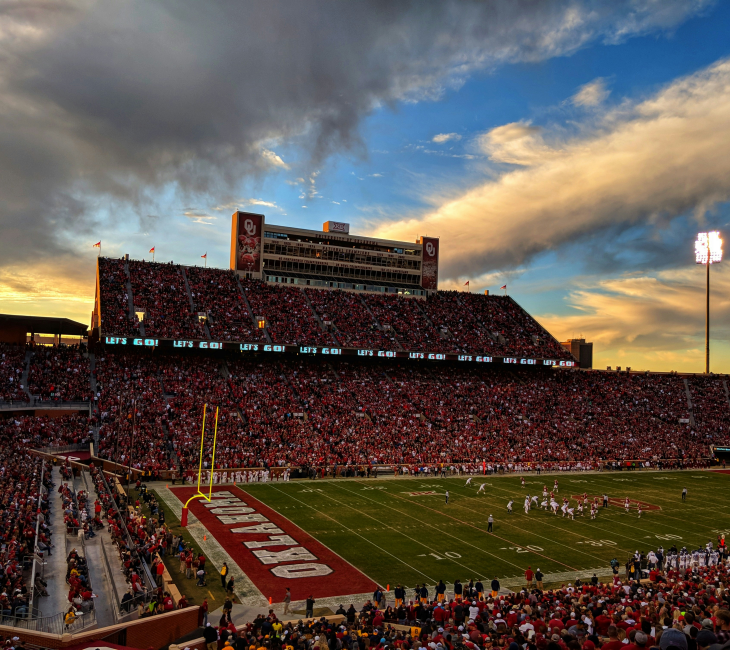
point(148, 304)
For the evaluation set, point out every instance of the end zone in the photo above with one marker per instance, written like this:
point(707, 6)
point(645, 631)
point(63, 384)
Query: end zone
point(270, 550)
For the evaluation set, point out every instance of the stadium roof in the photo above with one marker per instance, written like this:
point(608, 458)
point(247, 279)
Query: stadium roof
point(44, 324)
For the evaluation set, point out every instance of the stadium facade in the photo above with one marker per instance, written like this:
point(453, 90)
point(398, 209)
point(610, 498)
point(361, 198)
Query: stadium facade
point(332, 258)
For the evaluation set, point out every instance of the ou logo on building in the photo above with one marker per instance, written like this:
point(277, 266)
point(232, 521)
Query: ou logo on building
point(249, 227)
point(430, 249)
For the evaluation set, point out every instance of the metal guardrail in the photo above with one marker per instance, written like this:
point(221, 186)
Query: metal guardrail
point(31, 600)
point(81, 446)
point(55, 624)
point(151, 584)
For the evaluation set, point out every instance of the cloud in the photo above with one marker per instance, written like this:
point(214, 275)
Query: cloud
point(120, 103)
point(441, 138)
point(591, 94)
point(651, 322)
point(197, 216)
point(643, 164)
point(273, 159)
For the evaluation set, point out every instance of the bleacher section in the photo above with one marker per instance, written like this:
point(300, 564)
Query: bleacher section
point(305, 412)
point(12, 366)
point(444, 323)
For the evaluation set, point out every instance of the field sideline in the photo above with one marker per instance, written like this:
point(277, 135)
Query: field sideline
point(393, 536)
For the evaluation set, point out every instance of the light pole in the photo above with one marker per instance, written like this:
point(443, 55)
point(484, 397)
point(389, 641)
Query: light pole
point(708, 250)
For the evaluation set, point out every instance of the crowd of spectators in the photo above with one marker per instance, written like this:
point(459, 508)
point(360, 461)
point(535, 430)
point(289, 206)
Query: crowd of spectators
point(60, 373)
point(446, 322)
point(673, 610)
point(352, 324)
point(290, 319)
point(159, 290)
point(216, 292)
point(405, 323)
point(33, 431)
point(710, 403)
point(128, 533)
point(12, 366)
point(303, 412)
point(114, 298)
point(24, 486)
point(517, 332)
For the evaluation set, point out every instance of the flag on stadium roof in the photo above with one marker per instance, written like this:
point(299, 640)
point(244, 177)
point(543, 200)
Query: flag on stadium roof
point(204, 256)
point(466, 284)
point(504, 286)
point(152, 250)
point(97, 245)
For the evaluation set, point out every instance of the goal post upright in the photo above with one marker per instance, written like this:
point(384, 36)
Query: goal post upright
point(199, 494)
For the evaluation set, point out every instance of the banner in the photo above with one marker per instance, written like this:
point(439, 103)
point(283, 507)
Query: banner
point(430, 263)
point(246, 244)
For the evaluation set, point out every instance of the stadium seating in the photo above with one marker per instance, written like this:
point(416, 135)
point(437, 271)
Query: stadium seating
point(447, 322)
point(216, 293)
point(305, 412)
point(584, 615)
point(406, 323)
point(354, 326)
point(159, 289)
point(12, 366)
point(113, 298)
point(710, 403)
point(59, 373)
point(289, 316)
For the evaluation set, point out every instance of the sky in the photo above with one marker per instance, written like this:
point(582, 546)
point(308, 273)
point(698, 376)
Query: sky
point(571, 150)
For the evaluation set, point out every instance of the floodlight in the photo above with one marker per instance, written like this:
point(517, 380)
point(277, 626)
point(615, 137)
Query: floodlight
point(708, 247)
point(708, 250)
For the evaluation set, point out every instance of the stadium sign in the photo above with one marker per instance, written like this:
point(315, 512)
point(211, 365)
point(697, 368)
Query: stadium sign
point(311, 350)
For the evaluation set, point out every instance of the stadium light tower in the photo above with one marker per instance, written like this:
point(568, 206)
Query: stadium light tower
point(708, 250)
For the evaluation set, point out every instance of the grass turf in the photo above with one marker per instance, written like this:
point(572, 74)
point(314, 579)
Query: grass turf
point(394, 537)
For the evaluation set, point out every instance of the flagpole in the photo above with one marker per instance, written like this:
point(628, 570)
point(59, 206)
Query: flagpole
point(153, 254)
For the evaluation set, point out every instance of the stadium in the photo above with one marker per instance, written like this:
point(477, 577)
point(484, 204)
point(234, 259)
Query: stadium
point(319, 434)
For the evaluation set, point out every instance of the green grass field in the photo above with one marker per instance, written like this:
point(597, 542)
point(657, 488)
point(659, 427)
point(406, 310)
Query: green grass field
point(394, 537)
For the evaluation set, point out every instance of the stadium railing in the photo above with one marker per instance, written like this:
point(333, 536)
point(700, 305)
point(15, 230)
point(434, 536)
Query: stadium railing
point(151, 584)
point(55, 624)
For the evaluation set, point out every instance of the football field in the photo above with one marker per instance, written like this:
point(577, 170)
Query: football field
point(403, 531)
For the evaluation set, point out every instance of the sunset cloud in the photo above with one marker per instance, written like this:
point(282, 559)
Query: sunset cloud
point(649, 161)
point(654, 322)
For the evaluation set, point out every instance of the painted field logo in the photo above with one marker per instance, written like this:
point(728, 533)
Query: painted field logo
point(618, 503)
point(270, 549)
point(420, 494)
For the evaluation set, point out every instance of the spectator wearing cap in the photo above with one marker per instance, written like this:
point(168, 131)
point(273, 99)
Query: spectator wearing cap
point(673, 639)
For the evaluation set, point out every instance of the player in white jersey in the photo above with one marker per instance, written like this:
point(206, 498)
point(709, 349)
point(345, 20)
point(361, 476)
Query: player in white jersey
point(509, 506)
point(527, 505)
point(468, 481)
point(555, 486)
point(544, 491)
point(638, 508)
point(564, 507)
point(544, 504)
point(522, 479)
point(580, 508)
point(554, 506)
point(481, 488)
point(571, 512)
point(534, 499)
point(593, 510)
